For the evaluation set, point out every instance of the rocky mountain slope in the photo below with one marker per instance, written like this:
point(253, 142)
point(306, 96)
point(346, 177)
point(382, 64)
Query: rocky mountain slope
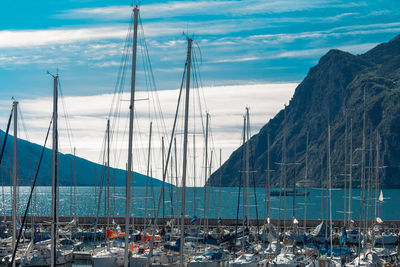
point(332, 90)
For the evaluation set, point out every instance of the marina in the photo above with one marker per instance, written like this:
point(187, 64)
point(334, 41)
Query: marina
point(303, 191)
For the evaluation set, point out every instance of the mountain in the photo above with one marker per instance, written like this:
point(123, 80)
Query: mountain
point(29, 155)
point(332, 90)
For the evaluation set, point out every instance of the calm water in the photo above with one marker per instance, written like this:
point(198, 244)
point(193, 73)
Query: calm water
point(222, 203)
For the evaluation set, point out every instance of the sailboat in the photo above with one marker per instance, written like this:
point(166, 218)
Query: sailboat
point(50, 252)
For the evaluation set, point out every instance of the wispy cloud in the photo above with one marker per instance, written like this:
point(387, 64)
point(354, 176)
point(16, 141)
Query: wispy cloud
point(334, 32)
point(189, 8)
point(25, 38)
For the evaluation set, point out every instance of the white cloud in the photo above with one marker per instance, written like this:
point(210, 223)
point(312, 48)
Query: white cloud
point(350, 30)
point(189, 8)
point(28, 38)
point(88, 114)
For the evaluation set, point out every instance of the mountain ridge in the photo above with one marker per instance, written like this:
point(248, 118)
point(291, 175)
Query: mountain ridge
point(332, 90)
point(29, 154)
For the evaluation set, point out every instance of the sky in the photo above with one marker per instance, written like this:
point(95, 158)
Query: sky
point(250, 53)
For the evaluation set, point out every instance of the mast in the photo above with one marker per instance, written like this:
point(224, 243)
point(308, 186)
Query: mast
point(294, 178)
point(75, 195)
point(220, 184)
point(205, 174)
point(176, 178)
point(345, 168)
point(185, 143)
point(305, 189)
point(284, 172)
point(147, 174)
point(330, 185)
point(131, 110)
point(268, 179)
point(351, 170)
point(376, 174)
point(194, 175)
point(244, 166)
point(54, 189)
point(14, 196)
point(247, 171)
point(108, 179)
point(163, 190)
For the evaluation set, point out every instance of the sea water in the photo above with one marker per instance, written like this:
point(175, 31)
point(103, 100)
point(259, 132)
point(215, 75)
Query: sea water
point(222, 202)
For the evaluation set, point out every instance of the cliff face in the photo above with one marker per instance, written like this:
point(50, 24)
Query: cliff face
point(332, 91)
point(29, 154)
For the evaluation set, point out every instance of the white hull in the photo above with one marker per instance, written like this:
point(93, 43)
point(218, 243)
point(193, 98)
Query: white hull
point(109, 257)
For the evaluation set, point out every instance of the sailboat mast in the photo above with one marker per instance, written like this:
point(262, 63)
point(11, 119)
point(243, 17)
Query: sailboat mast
point(351, 170)
point(147, 175)
point(14, 199)
point(268, 179)
point(130, 145)
point(244, 169)
point(376, 174)
point(247, 171)
point(345, 168)
point(205, 174)
point(306, 185)
point(108, 178)
point(185, 143)
point(54, 203)
point(330, 185)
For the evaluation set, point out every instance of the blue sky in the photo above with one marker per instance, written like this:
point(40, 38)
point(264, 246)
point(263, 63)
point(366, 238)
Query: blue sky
point(253, 41)
point(254, 53)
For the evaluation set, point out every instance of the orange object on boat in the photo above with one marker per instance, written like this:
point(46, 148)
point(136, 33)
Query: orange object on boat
point(111, 234)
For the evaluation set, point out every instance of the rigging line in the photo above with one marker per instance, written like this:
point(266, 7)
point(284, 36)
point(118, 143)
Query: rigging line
point(66, 117)
point(23, 123)
point(166, 164)
point(5, 137)
point(123, 63)
point(115, 109)
point(156, 97)
point(30, 196)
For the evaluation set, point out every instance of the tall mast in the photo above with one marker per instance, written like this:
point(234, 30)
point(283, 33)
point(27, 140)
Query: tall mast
point(185, 143)
point(54, 203)
point(205, 174)
point(351, 170)
point(305, 190)
point(284, 171)
point(176, 179)
point(131, 110)
point(244, 169)
point(220, 184)
point(163, 165)
point(194, 174)
point(294, 178)
point(268, 179)
point(330, 185)
point(147, 174)
point(247, 171)
point(14, 199)
point(376, 174)
point(345, 167)
point(108, 178)
point(75, 196)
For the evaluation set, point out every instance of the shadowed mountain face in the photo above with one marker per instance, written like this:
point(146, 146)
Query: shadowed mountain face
point(332, 91)
point(29, 155)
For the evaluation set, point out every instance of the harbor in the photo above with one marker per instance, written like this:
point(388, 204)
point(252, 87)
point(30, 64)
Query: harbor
point(153, 176)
